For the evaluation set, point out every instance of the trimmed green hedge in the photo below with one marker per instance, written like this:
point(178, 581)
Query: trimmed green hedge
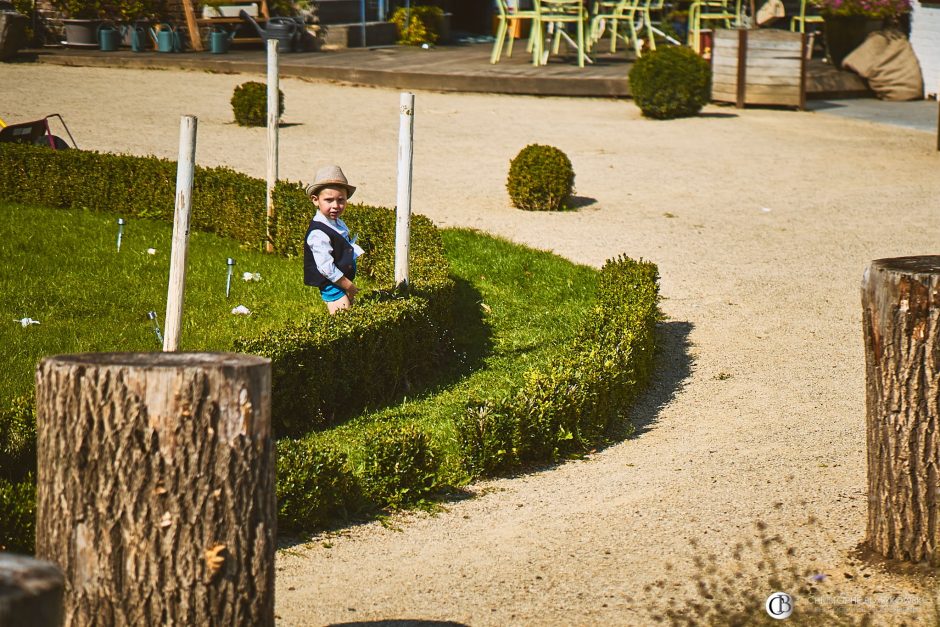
point(566, 408)
point(387, 345)
point(314, 486)
point(398, 465)
point(580, 401)
point(17, 439)
point(18, 515)
point(571, 406)
point(405, 341)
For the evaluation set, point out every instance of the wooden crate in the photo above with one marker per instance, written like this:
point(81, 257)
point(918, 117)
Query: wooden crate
point(760, 66)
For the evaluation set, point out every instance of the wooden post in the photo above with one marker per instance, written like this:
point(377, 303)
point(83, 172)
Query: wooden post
point(742, 67)
point(901, 320)
point(30, 592)
point(180, 249)
point(195, 40)
point(406, 131)
point(156, 487)
point(805, 53)
point(274, 118)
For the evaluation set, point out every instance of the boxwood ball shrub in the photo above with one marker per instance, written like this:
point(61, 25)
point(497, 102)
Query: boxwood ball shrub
point(250, 104)
point(671, 82)
point(540, 179)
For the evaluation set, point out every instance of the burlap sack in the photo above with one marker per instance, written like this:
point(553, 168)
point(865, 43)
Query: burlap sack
point(887, 61)
point(769, 11)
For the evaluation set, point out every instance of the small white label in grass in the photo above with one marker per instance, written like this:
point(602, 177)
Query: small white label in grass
point(25, 322)
point(151, 251)
point(241, 310)
point(251, 276)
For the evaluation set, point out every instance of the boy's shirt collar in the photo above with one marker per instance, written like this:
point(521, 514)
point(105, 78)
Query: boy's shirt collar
point(338, 225)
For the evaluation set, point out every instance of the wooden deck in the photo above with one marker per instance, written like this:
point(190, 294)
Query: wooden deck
point(464, 68)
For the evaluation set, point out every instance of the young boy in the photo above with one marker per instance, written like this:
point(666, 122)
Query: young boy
point(329, 254)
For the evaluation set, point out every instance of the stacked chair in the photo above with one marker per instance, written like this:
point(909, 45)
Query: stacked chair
point(702, 11)
point(508, 20)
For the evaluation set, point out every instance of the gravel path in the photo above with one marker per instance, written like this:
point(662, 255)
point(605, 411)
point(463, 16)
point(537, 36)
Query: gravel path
point(761, 222)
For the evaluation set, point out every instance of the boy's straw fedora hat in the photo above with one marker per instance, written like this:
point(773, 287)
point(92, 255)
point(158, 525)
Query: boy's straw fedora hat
point(330, 176)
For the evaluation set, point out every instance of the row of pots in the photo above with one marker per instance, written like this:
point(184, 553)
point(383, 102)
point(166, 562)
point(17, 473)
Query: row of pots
point(87, 33)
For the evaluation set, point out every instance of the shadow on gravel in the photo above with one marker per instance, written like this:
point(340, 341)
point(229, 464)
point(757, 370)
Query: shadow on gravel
point(400, 622)
point(673, 367)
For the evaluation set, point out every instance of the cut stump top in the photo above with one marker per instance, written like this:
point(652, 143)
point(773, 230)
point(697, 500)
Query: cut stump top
point(923, 264)
point(163, 360)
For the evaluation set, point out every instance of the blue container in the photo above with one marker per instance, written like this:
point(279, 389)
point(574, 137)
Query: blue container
point(218, 41)
point(108, 38)
point(138, 38)
point(168, 40)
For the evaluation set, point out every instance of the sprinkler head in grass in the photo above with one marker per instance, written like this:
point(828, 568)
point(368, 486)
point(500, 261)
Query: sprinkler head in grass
point(156, 326)
point(120, 233)
point(228, 279)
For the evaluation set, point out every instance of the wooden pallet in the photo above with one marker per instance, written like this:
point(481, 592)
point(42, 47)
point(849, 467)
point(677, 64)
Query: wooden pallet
point(193, 23)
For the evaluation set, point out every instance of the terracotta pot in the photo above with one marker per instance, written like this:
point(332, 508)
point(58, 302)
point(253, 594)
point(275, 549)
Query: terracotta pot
point(845, 33)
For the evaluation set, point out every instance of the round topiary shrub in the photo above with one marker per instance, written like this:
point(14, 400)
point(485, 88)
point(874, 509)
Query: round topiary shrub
point(250, 104)
point(540, 179)
point(671, 82)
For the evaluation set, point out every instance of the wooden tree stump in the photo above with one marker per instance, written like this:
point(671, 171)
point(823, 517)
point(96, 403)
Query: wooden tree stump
point(30, 592)
point(901, 318)
point(156, 487)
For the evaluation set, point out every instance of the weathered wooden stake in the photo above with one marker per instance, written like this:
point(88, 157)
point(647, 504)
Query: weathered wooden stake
point(274, 119)
point(406, 132)
point(30, 592)
point(901, 319)
point(181, 214)
point(156, 487)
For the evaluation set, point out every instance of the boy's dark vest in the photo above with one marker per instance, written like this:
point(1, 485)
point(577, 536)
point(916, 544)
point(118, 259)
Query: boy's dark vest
point(343, 256)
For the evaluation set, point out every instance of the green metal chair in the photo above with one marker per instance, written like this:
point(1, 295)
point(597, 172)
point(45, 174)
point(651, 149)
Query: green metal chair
point(558, 13)
point(710, 10)
point(657, 9)
point(802, 19)
point(616, 13)
point(507, 26)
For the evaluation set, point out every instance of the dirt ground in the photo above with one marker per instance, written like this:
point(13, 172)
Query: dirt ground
point(761, 221)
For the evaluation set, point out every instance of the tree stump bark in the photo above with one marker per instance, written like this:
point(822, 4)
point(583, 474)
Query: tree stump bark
point(901, 318)
point(30, 592)
point(156, 487)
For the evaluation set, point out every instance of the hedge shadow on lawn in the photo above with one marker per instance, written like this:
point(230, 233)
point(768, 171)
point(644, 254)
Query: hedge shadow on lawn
point(671, 369)
point(474, 341)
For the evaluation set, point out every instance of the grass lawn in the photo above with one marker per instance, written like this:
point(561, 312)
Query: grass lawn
point(62, 268)
point(529, 300)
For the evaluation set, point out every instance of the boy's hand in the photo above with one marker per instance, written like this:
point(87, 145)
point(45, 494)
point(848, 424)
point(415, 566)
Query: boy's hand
point(349, 287)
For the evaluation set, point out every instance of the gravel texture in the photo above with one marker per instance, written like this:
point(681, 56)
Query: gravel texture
point(761, 221)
